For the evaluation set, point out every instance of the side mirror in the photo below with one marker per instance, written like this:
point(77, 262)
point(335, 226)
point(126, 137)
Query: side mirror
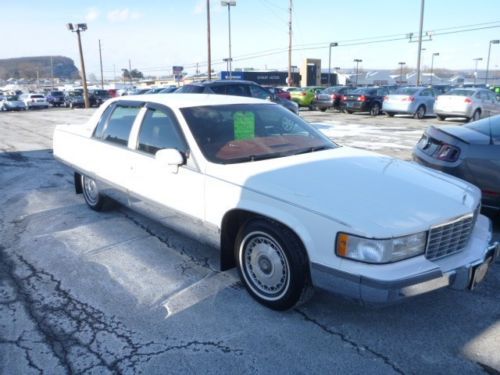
point(171, 158)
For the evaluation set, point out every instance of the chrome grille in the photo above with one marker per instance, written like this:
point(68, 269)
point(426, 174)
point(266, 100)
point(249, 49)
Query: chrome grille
point(449, 238)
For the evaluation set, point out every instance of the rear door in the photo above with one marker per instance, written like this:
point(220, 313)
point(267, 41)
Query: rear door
point(109, 155)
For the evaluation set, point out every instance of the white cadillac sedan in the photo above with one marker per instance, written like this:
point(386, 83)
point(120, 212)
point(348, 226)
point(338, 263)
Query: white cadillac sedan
point(285, 205)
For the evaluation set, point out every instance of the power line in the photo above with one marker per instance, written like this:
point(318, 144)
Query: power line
point(345, 43)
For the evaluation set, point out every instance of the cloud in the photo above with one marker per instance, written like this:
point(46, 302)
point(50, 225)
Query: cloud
point(121, 15)
point(92, 14)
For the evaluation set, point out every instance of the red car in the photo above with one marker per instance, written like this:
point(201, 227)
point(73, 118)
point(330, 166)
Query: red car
point(279, 92)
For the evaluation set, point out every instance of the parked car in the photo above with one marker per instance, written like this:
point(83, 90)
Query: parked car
point(471, 103)
point(12, 103)
point(32, 101)
point(168, 90)
point(262, 185)
point(238, 88)
point(305, 96)
point(441, 89)
point(471, 152)
point(415, 101)
point(331, 97)
point(279, 92)
point(74, 99)
point(55, 98)
point(365, 99)
point(155, 90)
point(98, 96)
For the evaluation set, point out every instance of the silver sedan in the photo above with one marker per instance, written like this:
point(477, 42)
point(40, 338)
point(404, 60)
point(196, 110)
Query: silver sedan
point(416, 101)
point(471, 103)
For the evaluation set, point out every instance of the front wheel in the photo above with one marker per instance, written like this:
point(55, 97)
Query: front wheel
point(272, 263)
point(441, 118)
point(349, 112)
point(94, 199)
point(390, 114)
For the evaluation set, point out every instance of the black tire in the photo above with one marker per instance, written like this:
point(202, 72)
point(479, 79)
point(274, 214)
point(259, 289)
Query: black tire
point(441, 118)
point(94, 199)
point(420, 113)
point(272, 264)
point(349, 112)
point(476, 115)
point(322, 109)
point(375, 109)
point(390, 114)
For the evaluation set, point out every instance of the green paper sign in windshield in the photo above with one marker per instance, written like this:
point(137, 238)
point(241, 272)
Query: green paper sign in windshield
point(244, 125)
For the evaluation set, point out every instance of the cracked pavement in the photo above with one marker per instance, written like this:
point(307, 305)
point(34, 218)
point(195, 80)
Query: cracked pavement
point(114, 292)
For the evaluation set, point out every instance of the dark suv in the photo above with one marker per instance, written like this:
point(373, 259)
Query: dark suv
point(55, 98)
point(238, 88)
point(97, 97)
point(365, 99)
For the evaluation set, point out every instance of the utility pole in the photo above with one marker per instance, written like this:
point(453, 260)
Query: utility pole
point(290, 45)
point(52, 72)
point(208, 42)
point(100, 60)
point(130, 71)
point(420, 40)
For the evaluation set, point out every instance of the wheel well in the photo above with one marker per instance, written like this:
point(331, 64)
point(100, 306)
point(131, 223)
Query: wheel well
point(231, 223)
point(78, 183)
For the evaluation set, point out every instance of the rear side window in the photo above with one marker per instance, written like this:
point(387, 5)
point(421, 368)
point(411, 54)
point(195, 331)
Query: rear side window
point(117, 128)
point(158, 131)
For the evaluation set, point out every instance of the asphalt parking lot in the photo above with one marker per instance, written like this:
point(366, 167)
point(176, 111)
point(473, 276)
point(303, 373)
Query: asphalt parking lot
point(114, 292)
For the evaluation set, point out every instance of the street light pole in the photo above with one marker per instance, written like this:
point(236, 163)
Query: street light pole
point(476, 60)
point(334, 44)
point(420, 40)
point(496, 41)
point(77, 28)
point(100, 62)
point(357, 61)
point(229, 4)
point(401, 63)
point(432, 64)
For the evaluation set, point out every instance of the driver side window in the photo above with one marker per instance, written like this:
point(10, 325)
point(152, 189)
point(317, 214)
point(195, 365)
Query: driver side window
point(159, 131)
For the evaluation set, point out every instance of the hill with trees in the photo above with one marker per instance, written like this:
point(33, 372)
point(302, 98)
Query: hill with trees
point(39, 66)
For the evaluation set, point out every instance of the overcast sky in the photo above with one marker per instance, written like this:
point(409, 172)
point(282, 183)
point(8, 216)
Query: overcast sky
point(157, 34)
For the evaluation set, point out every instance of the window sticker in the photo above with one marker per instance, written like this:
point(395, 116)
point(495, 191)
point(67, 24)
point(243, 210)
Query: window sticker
point(244, 125)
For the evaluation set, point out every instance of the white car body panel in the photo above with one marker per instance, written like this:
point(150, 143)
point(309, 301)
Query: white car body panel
point(316, 194)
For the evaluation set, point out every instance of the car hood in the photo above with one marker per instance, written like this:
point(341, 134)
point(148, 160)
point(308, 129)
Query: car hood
point(377, 195)
point(465, 134)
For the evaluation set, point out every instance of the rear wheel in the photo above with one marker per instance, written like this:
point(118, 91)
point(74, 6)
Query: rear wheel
point(390, 114)
point(322, 109)
point(420, 113)
point(476, 115)
point(272, 263)
point(94, 199)
point(348, 111)
point(375, 109)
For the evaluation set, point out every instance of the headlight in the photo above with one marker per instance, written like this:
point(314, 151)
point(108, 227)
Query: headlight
point(380, 250)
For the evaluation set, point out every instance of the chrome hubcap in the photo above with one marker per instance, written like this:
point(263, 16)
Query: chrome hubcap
point(90, 189)
point(264, 266)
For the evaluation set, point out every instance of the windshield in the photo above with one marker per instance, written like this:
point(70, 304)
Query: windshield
point(247, 132)
point(57, 93)
point(74, 93)
point(12, 98)
point(460, 92)
point(406, 91)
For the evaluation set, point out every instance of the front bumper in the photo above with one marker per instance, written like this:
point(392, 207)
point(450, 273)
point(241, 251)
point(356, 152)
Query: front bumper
point(464, 272)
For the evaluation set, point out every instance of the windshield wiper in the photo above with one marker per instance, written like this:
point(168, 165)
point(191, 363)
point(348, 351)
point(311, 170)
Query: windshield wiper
point(312, 149)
